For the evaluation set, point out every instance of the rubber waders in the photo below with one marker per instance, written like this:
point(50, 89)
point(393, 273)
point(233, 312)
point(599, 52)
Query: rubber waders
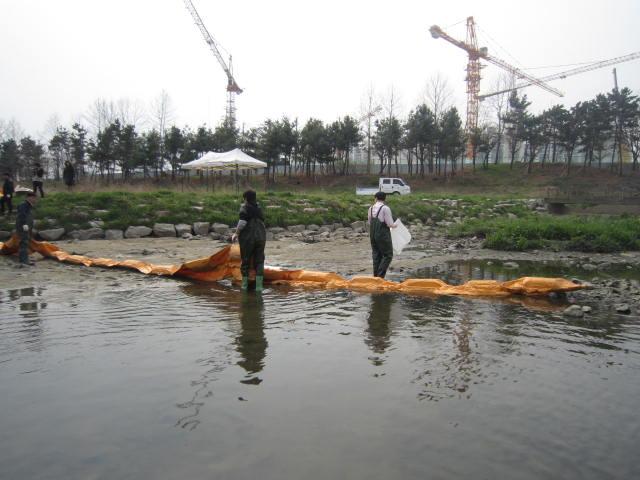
point(259, 281)
point(245, 283)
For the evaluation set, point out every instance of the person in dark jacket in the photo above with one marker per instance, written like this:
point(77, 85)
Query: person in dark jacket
point(380, 223)
point(24, 227)
point(69, 174)
point(38, 179)
point(252, 236)
point(7, 194)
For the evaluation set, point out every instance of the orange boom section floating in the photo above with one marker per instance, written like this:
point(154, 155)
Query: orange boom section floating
point(226, 264)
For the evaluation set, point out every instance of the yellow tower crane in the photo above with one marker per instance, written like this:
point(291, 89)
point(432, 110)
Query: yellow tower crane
point(473, 72)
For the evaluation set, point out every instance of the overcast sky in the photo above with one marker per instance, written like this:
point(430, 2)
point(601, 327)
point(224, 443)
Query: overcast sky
point(295, 58)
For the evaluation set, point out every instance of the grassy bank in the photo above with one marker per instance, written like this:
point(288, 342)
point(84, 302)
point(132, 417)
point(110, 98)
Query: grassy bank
point(118, 210)
point(584, 234)
point(505, 225)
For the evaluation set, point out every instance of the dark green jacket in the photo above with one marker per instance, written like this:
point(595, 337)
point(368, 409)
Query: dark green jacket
point(24, 216)
point(254, 230)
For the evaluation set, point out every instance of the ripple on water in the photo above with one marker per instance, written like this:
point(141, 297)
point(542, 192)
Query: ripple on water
point(440, 383)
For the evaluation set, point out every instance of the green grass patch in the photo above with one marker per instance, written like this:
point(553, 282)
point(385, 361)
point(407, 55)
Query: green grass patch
point(584, 234)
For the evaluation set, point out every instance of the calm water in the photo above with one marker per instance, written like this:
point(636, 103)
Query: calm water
point(107, 375)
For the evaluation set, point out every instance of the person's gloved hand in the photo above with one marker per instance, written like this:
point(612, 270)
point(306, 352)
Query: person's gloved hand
point(25, 228)
point(234, 237)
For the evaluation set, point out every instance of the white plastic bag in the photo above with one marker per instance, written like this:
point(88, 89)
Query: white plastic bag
point(400, 237)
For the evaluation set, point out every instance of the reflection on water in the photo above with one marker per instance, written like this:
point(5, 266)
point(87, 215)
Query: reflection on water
point(298, 383)
point(246, 307)
point(29, 306)
point(460, 271)
point(450, 359)
point(251, 342)
point(379, 330)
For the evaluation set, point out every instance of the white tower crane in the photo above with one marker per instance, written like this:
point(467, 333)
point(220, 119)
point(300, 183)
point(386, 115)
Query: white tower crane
point(568, 73)
point(232, 86)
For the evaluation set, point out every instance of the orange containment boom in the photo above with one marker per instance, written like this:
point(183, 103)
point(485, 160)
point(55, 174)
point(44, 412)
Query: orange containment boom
point(225, 263)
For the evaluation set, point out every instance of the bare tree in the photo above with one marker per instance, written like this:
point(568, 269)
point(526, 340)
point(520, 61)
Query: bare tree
point(130, 112)
point(162, 112)
point(100, 114)
point(11, 129)
point(392, 103)
point(499, 105)
point(438, 95)
point(369, 108)
point(50, 128)
point(392, 109)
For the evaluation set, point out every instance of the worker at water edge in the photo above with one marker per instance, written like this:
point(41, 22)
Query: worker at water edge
point(7, 194)
point(69, 174)
point(24, 227)
point(380, 225)
point(38, 179)
point(252, 237)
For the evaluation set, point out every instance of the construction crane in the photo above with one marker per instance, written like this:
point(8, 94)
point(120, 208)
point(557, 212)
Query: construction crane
point(473, 72)
point(232, 85)
point(568, 73)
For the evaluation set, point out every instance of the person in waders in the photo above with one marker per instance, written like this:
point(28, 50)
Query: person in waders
point(252, 237)
point(380, 225)
point(24, 228)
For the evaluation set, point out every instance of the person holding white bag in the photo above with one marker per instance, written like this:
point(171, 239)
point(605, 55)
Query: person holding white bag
point(380, 225)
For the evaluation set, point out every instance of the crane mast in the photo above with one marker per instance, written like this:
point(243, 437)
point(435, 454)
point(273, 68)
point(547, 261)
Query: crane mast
point(568, 73)
point(473, 81)
point(473, 72)
point(232, 85)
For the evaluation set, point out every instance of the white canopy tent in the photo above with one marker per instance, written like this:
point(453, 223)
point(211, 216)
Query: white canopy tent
point(233, 160)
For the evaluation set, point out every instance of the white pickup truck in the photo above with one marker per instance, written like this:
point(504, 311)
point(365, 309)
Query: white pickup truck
point(387, 185)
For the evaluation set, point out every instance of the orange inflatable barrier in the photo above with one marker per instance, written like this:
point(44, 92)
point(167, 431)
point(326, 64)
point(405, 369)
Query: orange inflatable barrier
point(225, 263)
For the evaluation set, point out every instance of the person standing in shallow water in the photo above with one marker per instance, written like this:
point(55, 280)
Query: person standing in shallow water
point(24, 226)
point(380, 225)
point(252, 236)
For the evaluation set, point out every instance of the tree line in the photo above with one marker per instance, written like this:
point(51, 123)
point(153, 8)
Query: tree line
point(431, 140)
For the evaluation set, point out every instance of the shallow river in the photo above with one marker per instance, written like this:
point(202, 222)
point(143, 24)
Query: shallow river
point(111, 374)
